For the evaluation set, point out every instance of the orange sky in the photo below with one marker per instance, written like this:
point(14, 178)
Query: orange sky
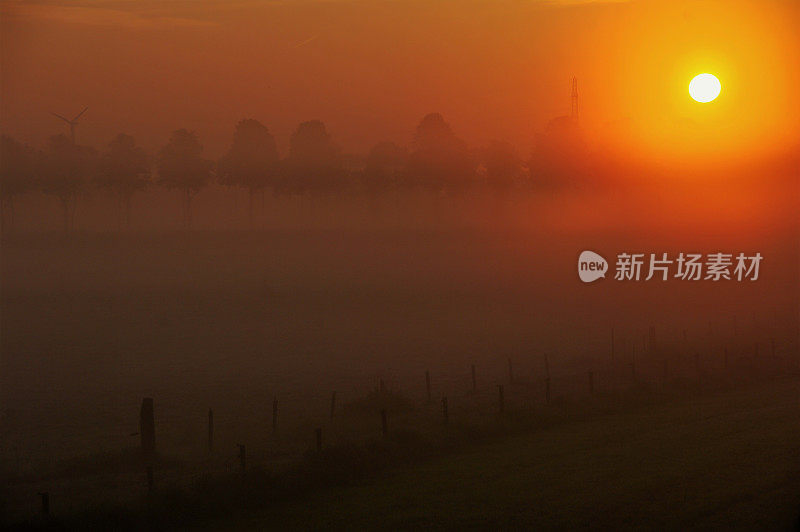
point(372, 69)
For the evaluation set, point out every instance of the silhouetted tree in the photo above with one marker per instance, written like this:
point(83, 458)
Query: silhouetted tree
point(560, 154)
point(66, 169)
point(251, 161)
point(181, 166)
point(384, 166)
point(124, 171)
point(314, 163)
point(17, 176)
point(439, 159)
point(502, 164)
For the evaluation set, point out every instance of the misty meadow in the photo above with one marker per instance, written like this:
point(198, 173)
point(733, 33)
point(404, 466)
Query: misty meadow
point(317, 265)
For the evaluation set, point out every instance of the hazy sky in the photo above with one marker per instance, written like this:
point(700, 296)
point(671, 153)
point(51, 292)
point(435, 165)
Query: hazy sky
point(370, 69)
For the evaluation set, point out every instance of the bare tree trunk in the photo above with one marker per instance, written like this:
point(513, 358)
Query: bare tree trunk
point(120, 207)
point(250, 199)
point(188, 211)
point(185, 208)
point(73, 209)
point(65, 209)
point(3, 210)
point(7, 222)
point(127, 207)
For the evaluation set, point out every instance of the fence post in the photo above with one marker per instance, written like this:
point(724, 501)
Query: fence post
point(500, 399)
point(275, 414)
point(445, 414)
point(697, 365)
point(147, 432)
point(474, 381)
point(318, 433)
point(510, 372)
point(242, 458)
point(547, 390)
point(384, 423)
point(591, 383)
point(333, 404)
point(210, 430)
point(45, 496)
point(147, 429)
point(612, 344)
point(428, 384)
point(546, 366)
point(652, 339)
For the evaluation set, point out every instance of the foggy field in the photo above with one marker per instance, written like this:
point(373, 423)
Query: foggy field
point(92, 323)
point(387, 265)
point(725, 462)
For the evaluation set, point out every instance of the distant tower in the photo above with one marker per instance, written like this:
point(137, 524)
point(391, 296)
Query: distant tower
point(573, 113)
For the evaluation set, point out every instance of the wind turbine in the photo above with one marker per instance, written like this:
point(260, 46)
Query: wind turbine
point(72, 123)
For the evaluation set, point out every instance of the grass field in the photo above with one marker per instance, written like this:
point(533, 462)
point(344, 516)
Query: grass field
point(722, 460)
point(729, 461)
point(93, 323)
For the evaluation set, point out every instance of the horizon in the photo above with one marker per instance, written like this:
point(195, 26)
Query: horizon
point(203, 67)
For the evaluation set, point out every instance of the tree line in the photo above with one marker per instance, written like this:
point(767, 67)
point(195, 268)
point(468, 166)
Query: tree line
point(437, 161)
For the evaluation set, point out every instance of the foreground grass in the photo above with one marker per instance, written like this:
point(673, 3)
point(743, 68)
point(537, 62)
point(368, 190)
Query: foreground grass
point(726, 460)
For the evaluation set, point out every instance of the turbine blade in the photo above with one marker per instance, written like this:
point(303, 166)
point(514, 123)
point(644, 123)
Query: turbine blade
point(61, 117)
point(79, 114)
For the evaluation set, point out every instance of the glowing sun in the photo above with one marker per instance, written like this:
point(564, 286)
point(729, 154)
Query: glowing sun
point(704, 87)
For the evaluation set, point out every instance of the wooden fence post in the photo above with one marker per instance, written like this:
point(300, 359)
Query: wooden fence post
point(45, 496)
point(612, 344)
point(242, 458)
point(474, 381)
point(428, 385)
point(547, 390)
point(384, 423)
point(500, 399)
point(147, 429)
point(333, 404)
point(275, 414)
point(591, 383)
point(697, 365)
point(510, 372)
point(652, 339)
point(147, 432)
point(210, 430)
point(318, 434)
point(445, 413)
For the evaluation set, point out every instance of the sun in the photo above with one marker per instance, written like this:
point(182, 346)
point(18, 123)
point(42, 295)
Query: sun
point(704, 88)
